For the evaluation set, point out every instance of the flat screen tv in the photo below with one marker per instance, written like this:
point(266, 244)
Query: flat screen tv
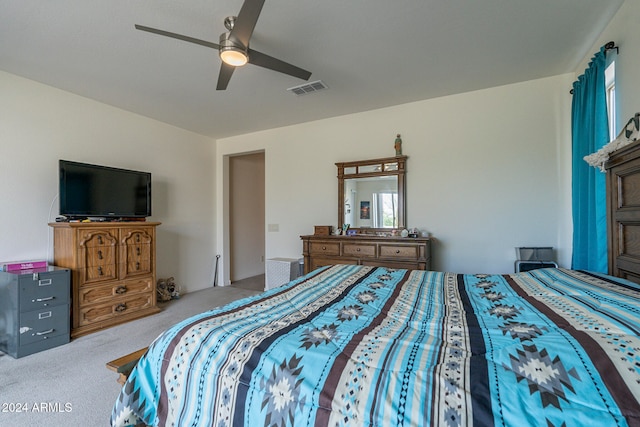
point(103, 192)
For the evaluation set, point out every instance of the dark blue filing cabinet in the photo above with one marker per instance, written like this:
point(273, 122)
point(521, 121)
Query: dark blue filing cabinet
point(34, 310)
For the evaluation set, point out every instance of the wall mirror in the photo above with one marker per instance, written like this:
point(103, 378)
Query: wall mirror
point(371, 194)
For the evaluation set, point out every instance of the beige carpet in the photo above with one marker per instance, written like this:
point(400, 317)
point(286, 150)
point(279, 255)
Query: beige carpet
point(70, 385)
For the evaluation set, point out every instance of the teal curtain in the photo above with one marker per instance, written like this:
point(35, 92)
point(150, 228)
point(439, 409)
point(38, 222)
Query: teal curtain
point(590, 132)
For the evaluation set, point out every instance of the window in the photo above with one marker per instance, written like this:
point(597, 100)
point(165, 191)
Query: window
point(610, 83)
point(384, 208)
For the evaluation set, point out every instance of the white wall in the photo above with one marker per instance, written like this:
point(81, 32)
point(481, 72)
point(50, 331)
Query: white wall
point(40, 124)
point(487, 171)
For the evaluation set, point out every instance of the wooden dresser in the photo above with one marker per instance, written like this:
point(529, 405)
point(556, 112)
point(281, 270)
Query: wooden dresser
point(623, 212)
point(113, 271)
point(394, 252)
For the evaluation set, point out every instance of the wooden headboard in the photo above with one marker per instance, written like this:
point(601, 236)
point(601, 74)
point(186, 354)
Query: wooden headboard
point(623, 212)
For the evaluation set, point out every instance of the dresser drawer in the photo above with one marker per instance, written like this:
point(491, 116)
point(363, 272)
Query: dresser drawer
point(136, 261)
point(43, 290)
point(324, 248)
point(106, 311)
point(104, 293)
point(38, 325)
point(99, 273)
point(137, 236)
point(321, 262)
point(142, 266)
point(91, 238)
point(408, 252)
point(399, 264)
point(359, 250)
point(99, 255)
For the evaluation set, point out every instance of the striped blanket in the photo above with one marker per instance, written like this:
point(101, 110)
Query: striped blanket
point(365, 346)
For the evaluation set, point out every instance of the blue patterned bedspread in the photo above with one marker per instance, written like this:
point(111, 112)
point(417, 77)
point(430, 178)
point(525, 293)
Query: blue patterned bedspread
point(366, 346)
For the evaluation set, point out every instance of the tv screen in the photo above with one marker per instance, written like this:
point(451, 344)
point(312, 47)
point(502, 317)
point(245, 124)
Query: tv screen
point(105, 192)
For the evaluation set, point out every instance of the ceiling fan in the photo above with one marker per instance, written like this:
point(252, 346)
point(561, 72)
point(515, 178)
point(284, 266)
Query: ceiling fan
point(234, 48)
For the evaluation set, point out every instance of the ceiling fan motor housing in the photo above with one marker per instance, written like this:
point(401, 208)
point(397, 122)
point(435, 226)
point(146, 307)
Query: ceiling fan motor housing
point(231, 52)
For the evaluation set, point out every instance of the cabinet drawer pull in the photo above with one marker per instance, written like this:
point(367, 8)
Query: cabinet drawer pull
point(138, 251)
point(48, 331)
point(99, 254)
point(43, 300)
point(137, 238)
point(137, 266)
point(121, 307)
point(324, 248)
point(99, 240)
point(397, 251)
point(100, 272)
point(358, 250)
point(44, 282)
point(121, 290)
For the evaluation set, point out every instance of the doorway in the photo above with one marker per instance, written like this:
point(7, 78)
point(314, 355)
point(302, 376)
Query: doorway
point(247, 217)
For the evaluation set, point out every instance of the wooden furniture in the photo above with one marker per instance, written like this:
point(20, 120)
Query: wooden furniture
point(34, 310)
point(394, 252)
point(125, 364)
point(113, 271)
point(359, 181)
point(623, 212)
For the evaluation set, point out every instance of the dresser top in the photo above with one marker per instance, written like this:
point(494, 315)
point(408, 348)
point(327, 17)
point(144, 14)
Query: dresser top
point(104, 224)
point(367, 237)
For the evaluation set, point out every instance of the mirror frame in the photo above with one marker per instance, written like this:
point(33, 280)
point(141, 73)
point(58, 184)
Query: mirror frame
point(356, 166)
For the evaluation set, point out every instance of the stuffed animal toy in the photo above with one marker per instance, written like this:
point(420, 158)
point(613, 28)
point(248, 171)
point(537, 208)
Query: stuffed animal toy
point(167, 290)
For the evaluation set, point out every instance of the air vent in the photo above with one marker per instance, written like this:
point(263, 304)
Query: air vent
point(308, 88)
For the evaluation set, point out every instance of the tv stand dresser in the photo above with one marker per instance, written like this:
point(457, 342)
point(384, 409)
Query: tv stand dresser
point(113, 276)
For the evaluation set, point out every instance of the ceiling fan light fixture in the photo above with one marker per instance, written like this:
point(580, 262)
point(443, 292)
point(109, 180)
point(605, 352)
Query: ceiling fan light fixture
point(231, 53)
point(233, 56)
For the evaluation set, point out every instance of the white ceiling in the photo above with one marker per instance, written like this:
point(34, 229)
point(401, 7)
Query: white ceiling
point(371, 53)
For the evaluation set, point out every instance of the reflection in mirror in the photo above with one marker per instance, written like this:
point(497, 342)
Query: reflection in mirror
point(371, 202)
point(371, 194)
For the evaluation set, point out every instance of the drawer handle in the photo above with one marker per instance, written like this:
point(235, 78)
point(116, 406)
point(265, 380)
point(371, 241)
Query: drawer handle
point(137, 251)
point(324, 248)
point(121, 307)
point(137, 266)
point(358, 250)
point(99, 254)
point(99, 240)
point(48, 331)
point(121, 290)
point(42, 299)
point(137, 238)
point(100, 272)
point(397, 251)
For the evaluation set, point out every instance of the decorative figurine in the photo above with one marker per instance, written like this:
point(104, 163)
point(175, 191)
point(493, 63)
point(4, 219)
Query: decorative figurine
point(398, 145)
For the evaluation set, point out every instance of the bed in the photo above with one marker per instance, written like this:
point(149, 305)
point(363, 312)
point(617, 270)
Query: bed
point(375, 346)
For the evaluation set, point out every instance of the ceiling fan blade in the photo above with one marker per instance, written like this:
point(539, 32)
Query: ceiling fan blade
point(246, 21)
point(266, 61)
point(178, 36)
point(226, 71)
